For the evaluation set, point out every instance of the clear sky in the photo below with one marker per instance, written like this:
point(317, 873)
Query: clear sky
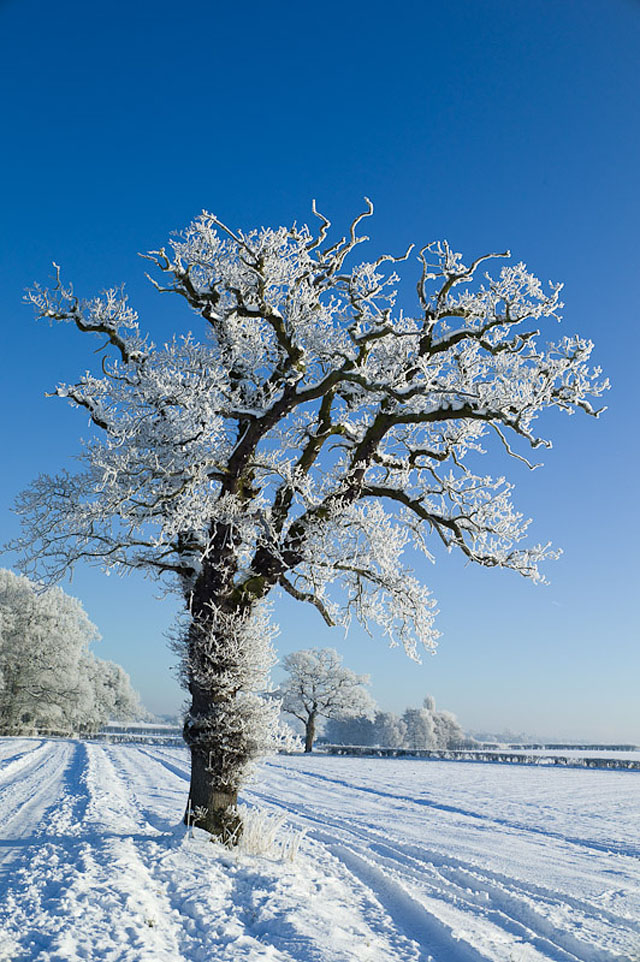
point(494, 124)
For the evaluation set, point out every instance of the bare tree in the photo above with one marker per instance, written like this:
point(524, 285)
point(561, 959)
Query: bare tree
point(319, 686)
point(311, 434)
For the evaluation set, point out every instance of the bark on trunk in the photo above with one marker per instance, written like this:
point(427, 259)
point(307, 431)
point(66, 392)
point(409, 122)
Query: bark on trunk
point(216, 731)
point(209, 806)
point(218, 757)
point(310, 733)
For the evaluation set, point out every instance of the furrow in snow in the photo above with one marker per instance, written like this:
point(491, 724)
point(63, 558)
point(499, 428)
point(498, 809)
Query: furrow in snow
point(14, 748)
point(30, 789)
point(18, 764)
point(501, 901)
point(626, 849)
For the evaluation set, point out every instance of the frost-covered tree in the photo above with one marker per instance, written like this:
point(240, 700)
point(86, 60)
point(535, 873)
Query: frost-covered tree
point(307, 435)
point(449, 733)
point(319, 686)
point(104, 692)
point(389, 730)
point(427, 727)
point(447, 730)
point(423, 728)
point(49, 679)
point(421, 732)
point(43, 638)
point(385, 730)
point(350, 731)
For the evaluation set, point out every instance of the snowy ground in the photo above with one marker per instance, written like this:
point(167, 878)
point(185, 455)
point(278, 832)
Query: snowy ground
point(404, 861)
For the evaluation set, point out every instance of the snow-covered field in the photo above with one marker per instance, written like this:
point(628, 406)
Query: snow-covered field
point(403, 861)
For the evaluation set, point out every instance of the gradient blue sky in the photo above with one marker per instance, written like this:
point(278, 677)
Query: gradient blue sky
point(494, 124)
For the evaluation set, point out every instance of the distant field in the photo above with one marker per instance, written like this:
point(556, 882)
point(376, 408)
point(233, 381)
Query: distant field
point(403, 861)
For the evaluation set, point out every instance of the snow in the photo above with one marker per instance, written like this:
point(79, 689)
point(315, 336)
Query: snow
point(403, 861)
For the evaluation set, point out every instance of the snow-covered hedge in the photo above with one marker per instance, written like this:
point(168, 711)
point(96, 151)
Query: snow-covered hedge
point(512, 758)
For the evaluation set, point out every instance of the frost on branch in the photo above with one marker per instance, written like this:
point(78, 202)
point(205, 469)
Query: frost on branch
point(306, 434)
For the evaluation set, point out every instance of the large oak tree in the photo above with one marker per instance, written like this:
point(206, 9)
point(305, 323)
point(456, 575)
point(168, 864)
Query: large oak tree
point(301, 439)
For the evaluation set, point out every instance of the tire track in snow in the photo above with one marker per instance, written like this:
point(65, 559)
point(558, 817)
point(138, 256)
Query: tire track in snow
point(30, 781)
point(399, 944)
point(82, 886)
point(40, 805)
point(21, 762)
point(507, 905)
point(206, 909)
point(520, 827)
point(468, 874)
point(179, 770)
point(117, 804)
point(413, 922)
point(430, 897)
point(161, 803)
point(14, 748)
point(408, 913)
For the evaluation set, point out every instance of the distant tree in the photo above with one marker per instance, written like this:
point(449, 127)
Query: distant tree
point(319, 686)
point(389, 730)
point(427, 727)
point(49, 679)
point(43, 638)
point(350, 731)
point(311, 434)
point(421, 733)
point(385, 730)
point(107, 693)
point(449, 734)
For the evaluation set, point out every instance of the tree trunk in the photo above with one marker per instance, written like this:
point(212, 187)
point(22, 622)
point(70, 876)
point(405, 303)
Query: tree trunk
point(217, 729)
point(209, 806)
point(220, 728)
point(219, 754)
point(310, 732)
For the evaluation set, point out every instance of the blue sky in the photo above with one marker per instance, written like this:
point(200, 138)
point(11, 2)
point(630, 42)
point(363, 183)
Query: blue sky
point(494, 124)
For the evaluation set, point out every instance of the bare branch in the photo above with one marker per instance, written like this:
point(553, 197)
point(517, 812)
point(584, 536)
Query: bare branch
point(307, 596)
